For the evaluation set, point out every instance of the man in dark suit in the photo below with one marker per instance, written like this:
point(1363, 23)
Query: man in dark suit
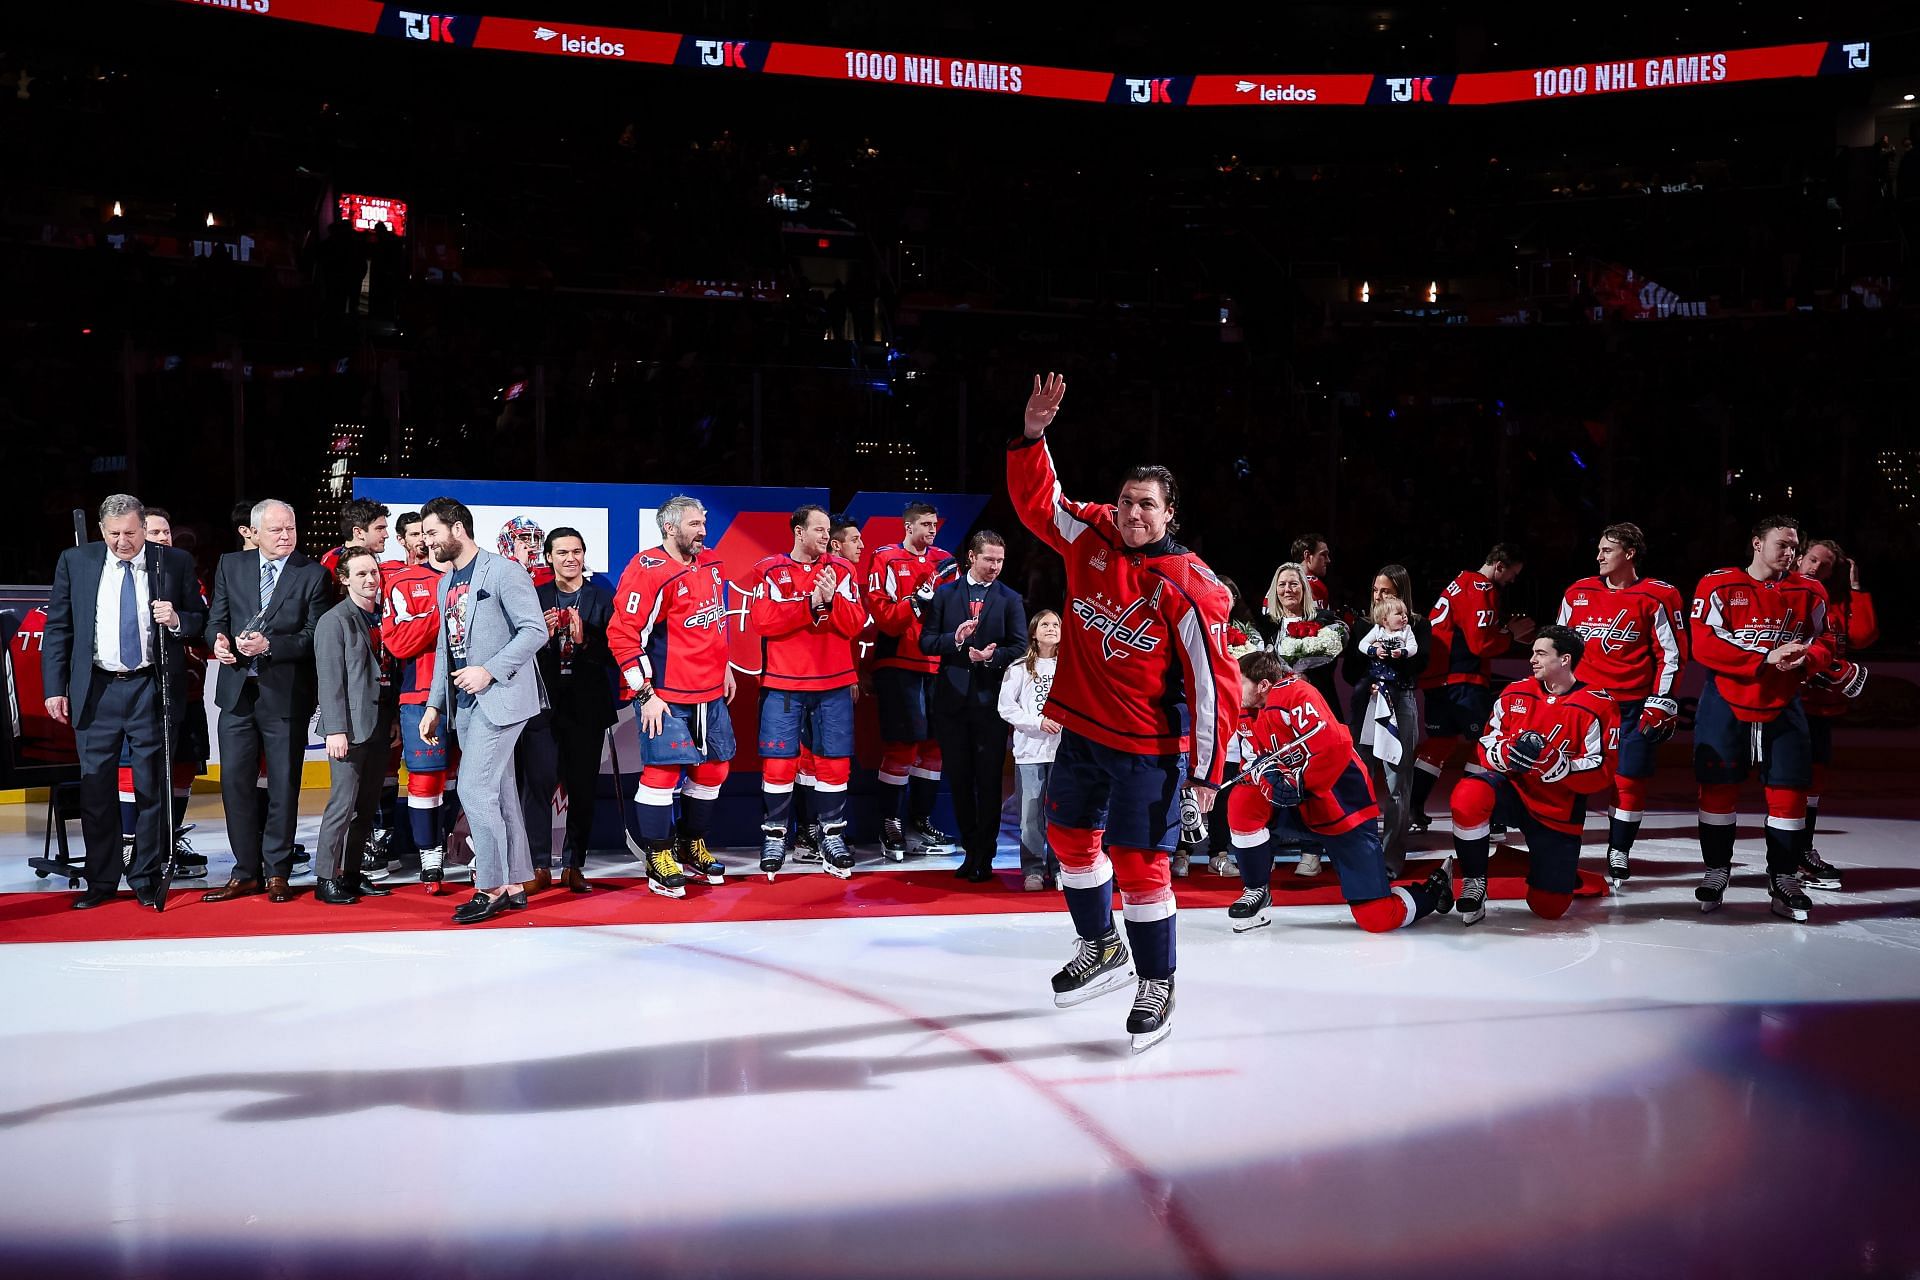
point(99, 654)
point(359, 709)
point(266, 603)
point(562, 745)
point(977, 627)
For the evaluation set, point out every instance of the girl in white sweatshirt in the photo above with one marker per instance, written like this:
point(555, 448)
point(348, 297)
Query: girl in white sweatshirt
point(1023, 701)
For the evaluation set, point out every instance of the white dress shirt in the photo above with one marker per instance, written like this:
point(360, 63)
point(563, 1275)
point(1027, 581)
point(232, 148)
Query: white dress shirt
point(106, 613)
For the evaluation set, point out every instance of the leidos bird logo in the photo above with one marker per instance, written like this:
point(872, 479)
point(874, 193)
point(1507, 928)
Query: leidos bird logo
point(1117, 632)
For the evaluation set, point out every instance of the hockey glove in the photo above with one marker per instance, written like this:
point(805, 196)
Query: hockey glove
point(1280, 783)
point(1658, 719)
point(1524, 752)
point(1850, 678)
point(1193, 823)
point(922, 598)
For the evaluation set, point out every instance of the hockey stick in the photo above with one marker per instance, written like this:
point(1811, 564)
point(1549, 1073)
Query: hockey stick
point(1194, 822)
point(621, 799)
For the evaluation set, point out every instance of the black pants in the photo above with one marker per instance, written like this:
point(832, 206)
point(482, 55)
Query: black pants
point(559, 752)
point(973, 755)
point(120, 711)
point(248, 733)
point(352, 801)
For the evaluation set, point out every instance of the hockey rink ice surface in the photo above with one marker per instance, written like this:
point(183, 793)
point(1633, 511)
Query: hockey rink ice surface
point(1634, 1090)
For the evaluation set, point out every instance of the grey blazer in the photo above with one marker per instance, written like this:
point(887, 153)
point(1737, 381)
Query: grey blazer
point(351, 699)
point(505, 633)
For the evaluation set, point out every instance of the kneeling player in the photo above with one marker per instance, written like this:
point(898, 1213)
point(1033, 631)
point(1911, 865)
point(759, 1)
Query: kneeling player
point(1303, 779)
point(1550, 743)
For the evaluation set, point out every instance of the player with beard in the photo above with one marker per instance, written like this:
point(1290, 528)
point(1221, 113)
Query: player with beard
point(669, 639)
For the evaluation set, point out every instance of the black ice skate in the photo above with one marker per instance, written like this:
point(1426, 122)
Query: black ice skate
point(893, 840)
point(697, 858)
point(773, 851)
point(1473, 899)
point(1713, 888)
point(1440, 885)
point(1097, 967)
point(432, 875)
point(806, 843)
point(664, 874)
point(835, 854)
point(1151, 1020)
point(1787, 898)
point(1619, 866)
point(929, 838)
point(1816, 872)
point(1249, 912)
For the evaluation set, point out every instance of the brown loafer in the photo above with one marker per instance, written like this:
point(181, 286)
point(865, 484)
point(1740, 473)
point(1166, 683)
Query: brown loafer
point(542, 880)
point(278, 890)
point(234, 888)
point(575, 880)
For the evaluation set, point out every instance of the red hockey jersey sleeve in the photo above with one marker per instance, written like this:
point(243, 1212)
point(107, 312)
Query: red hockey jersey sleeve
point(1195, 607)
point(891, 607)
point(634, 607)
point(848, 614)
point(1671, 641)
point(407, 633)
point(1863, 626)
point(1035, 489)
point(773, 610)
point(1590, 763)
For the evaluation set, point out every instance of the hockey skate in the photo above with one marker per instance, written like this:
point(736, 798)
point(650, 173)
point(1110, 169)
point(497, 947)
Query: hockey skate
point(189, 865)
point(929, 838)
point(1816, 872)
point(696, 857)
point(806, 843)
point(432, 874)
point(1440, 885)
point(664, 875)
point(1473, 899)
point(1098, 966)
point(375, 858)
point(1713, 888)
point(834, 853)
point(893, 840)
point(1250, 911)
point(773, 852)
point(1784, 892)
point(1151, 1020)
point(1619, 866)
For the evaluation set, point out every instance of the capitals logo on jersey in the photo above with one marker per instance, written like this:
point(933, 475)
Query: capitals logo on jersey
point(1129, 630)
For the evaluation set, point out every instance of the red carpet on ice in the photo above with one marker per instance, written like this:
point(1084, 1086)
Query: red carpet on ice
point(47, 917)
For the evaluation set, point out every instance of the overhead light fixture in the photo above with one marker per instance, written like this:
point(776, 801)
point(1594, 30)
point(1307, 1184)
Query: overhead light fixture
point(209, 219)
point(1366, 292)
point(119, 214)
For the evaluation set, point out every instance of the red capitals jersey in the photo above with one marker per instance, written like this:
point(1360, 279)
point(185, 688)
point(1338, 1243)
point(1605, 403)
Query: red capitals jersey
point(670, 626)
point(894, 573)
point(1738, 621)
point(410, 625)
point(802, 649)
point(1316, 748)
point(1143, 659)
point(1851, 625)
point(1636, 636)
point(1582, 729)
point(1467, 635)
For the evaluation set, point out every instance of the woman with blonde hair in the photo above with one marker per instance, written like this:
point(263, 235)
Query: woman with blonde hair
point(1309, 640)
point(1023, 701)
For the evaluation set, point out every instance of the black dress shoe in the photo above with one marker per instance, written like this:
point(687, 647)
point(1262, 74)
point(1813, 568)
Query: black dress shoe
point(480, 907)
point(94, 898)
point(337, 892)
point(982, 874)
point(517, 901)
point(371, 889)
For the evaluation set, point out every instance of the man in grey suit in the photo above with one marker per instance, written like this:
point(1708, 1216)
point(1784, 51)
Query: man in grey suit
point(266, 603)
point(359, 710)
point(97, 664)
point(485, 674)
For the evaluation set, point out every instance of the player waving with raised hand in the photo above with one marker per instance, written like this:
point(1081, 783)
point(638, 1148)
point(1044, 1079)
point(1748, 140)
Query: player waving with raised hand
point(1147, 700)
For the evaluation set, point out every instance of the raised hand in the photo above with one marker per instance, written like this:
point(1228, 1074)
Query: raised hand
point(1044, 403)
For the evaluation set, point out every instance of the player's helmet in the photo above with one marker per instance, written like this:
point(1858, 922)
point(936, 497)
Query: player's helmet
point(522, 540)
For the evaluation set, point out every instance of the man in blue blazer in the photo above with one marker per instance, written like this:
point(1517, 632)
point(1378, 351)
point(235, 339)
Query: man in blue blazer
point(98, 665)
point(977, 627)
point(486, 679)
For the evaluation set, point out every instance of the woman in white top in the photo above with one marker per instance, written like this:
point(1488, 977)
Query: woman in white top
point(1023, 698)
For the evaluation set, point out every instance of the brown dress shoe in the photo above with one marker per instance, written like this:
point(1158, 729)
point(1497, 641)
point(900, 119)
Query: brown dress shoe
point(234, 888)
point(542, 880)
point(575, 880)
point(278, 890)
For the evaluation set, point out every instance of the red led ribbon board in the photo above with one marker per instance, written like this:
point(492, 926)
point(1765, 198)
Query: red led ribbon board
point(1270, 91)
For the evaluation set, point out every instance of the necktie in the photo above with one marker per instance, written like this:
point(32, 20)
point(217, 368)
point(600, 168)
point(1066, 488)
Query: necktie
point(129, 618)
point(269, 572)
